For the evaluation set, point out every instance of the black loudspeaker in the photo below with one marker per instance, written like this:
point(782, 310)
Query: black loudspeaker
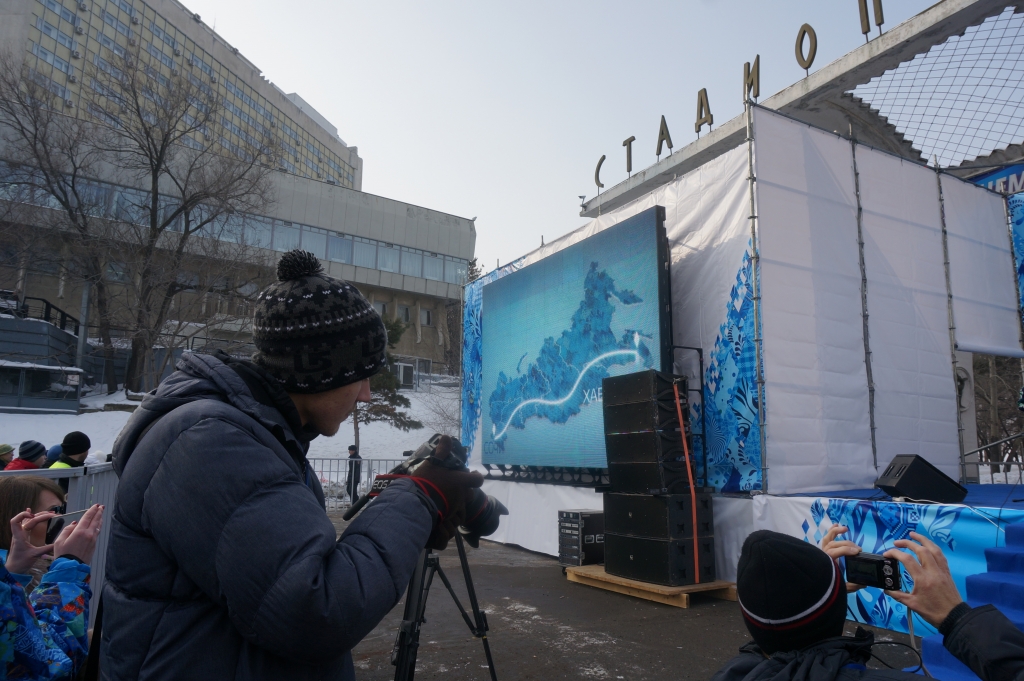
point(643, 386)
point(912, 476)
point(659, 561)
point(638, 417)
point(663, 517)
point(666, 477)
point(646, 447)
point(580, 537)
point(640, 402)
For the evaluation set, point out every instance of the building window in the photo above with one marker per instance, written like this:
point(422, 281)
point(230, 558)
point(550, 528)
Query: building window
point(425, 318)
point(339, 249)
point(387, 259)
point(364, 254)
point(433, 268)
point(116, 271)
point(381, 308)
point(286, 237)
point(412, 264)
point(454, 271)
point(403, 314)
point(315, 241)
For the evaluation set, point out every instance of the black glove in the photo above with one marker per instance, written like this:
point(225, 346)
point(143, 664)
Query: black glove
point(448, 485)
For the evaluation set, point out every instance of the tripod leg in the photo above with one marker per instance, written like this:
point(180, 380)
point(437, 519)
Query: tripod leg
point(478, 614)
point(407, 643)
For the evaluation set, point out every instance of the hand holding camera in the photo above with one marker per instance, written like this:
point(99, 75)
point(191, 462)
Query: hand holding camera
point(934, 594)
point(451, 487)
point(842, 548)
point(24, 553)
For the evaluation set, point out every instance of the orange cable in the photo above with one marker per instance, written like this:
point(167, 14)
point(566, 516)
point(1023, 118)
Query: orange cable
point(693, 492)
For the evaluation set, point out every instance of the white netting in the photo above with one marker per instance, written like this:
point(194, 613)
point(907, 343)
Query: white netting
point(962, 99)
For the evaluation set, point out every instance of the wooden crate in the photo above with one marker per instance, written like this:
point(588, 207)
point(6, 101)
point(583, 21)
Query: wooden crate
point(679, 596)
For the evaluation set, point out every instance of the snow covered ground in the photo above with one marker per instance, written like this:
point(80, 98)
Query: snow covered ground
point(377, 440)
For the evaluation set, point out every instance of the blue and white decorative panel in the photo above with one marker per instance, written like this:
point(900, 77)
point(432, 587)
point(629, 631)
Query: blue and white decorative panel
point(730, 395)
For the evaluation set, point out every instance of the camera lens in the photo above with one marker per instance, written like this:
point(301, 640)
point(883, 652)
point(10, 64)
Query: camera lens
point(483, 512)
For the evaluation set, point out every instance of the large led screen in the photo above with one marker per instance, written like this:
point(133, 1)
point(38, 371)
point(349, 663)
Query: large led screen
point(553, 330)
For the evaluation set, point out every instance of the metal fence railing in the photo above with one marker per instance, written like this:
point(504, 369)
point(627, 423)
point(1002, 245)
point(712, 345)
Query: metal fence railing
point(334, 477)
point(87, 485)
point(1000, 459)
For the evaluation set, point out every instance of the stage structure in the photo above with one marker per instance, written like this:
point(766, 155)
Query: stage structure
point(836, 286)
point(849, 275)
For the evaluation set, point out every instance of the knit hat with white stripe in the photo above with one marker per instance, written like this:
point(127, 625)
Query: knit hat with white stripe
point(313, 332)
point(792, 593)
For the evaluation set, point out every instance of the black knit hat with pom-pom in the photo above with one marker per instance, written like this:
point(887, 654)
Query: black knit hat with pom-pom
point(313, 332)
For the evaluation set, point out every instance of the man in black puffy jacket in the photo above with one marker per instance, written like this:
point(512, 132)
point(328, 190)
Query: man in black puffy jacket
point(793, 600)
point(222, 563)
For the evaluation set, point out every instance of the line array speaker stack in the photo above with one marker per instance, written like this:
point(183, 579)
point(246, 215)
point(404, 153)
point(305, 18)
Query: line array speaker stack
point(658, 523)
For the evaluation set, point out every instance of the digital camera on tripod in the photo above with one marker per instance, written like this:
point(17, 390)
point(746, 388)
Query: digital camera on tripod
point(483, 512)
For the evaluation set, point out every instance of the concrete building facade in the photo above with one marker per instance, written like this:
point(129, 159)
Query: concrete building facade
point(408, 260)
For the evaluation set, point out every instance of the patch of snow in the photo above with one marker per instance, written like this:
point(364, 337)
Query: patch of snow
point(49, 429)
point(47, 367)
point(101, 398)
point(377, 440)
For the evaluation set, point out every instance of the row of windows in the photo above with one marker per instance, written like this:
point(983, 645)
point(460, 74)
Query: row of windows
point(120, 16)
point(64, 13)
point(52, 59)
point(130, 205)
point(52, 31)
point(405, 314)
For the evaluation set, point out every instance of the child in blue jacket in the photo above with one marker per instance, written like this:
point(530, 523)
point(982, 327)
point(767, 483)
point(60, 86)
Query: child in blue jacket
point(44, 632)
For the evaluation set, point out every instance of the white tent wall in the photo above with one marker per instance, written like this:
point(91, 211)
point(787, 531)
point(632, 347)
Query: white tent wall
point(818, 432)
point(981, 270)
point(706, 220)
point(915, 398)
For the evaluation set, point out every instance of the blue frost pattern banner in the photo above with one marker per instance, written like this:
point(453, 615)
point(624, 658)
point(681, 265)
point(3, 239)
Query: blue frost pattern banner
point(730, 395)
point(472, 366)
point(963, 534)
point(1017, 225)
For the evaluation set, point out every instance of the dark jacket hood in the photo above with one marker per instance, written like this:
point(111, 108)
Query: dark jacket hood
point(200, 377)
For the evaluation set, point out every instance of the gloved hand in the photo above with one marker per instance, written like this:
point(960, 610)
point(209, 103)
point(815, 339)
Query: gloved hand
point(448, 489)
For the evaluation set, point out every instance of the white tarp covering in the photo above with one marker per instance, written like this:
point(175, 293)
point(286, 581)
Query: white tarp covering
point(533, 521)
point(911, 361)
point(981, 270)
point(816, 391)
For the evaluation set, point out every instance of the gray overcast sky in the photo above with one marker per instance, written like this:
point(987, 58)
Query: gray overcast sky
point(501, 110)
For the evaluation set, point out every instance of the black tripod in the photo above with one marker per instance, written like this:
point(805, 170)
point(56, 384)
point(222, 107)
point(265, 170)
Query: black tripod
point(408, 642)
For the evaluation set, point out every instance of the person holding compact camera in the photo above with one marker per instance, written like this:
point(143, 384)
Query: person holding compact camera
point(44, 617)
point(223, 563)
point(793, 599)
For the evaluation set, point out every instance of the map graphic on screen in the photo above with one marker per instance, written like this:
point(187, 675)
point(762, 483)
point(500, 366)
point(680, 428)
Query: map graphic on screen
point(553, 330)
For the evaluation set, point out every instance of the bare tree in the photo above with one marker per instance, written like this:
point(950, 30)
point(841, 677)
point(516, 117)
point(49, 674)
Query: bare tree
point(386, 402)
point(997, 384)
point(181, 179)
point(52, 158)
point(443, 414)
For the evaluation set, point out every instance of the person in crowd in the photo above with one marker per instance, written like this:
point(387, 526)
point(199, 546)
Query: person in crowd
point(222, 561)
point(53, 455)
point(40, 495)
point(6, 454)
point(31, 456)
point(74, 449)
point(44, 633)
point(792, 596)
point(354, 471)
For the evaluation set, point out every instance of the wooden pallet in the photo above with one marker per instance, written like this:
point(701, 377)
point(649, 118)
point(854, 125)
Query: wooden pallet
point(679, 596)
